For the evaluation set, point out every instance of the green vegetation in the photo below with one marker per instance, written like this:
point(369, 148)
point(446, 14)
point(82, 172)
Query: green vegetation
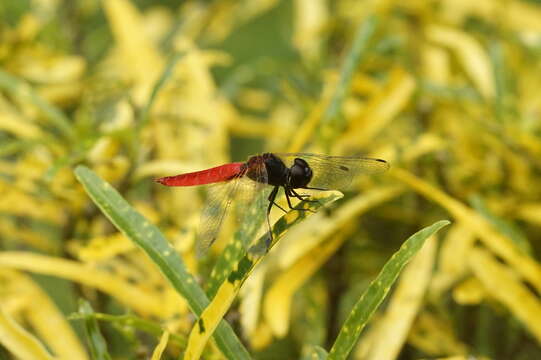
point(437, 258)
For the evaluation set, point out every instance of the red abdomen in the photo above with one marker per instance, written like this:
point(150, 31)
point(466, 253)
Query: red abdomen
point(209, 176)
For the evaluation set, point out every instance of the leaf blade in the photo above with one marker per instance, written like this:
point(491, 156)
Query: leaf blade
point(147, 236)
point(377, 290)
point(96, 342)
point(229, 289)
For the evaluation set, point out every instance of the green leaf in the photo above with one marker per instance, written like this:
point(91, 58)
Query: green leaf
point(229, 289)
point(505, 227)
point(315, 353)
point(134, 321)
point(96, 342)
point(234, 252)
point(330, 121)
point(21, 89)
point(253, 218)
point(167, 73)
point(377, 290)
point(147, 236)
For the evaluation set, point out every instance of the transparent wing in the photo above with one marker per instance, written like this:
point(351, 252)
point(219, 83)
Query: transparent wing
point(251, 205)
point(248, 197)
point(336, 172)
point(219, 199)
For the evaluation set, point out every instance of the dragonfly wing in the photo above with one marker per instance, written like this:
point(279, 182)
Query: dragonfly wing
point(251, 204)
point(336, 172)
point(219, 199)
point(249, 199)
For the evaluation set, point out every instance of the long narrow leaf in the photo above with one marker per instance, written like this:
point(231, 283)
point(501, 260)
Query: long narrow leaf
point(21, 89)
point(20, 342)
point(253, 218)
point(151, 240)
point(129, 320)
point(377, 290)
point(500, 244)
point(330, 119)
point(229, 289)
point(96, 342)
point(168, 71)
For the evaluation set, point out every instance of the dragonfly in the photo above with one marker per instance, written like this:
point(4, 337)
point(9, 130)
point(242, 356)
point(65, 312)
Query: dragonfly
point(268, 173)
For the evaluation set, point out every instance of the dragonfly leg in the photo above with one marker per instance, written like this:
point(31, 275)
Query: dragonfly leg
point(286, 191)
point(272, 197)
point(302, 196)
point(290, 192)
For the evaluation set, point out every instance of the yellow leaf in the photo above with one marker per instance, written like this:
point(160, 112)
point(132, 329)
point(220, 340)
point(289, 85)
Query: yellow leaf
point(311, 17)
point(132, 296)
point(436, 64)
point(20, 342)
point(158, 351)
point(103, 247)
point(381, 109)
point(469, 292)
point(435, 336)
point(309, 258)
point(44, 317)
point(309, 125)
point(254, 8)
point(471, 55)
point(277, 305)
point(250, 127)
point(139, 56)
point(262, 336)
point(453, 263)
point(62, 94)
point(103, 150)
point(254, 99)
point(307, 236)
point(9, 229)
point(18, 203)
point(18, 126)
point(42, 66)
point(164, 167)
point(209, 320)
point(530, 212)
point(497, 242)
point(517, 15)
point(500, 282)
point(251, 294)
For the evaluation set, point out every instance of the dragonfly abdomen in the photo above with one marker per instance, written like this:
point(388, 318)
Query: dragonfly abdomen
point(209, 176)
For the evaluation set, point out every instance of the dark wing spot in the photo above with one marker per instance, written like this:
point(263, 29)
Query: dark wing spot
point(342, 167)
point(380, 160)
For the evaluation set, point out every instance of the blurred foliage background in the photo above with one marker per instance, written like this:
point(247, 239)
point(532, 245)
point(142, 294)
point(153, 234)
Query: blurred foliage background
point(446, 90)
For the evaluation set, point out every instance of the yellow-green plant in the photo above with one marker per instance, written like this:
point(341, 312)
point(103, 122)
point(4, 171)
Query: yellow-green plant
point(97, 98)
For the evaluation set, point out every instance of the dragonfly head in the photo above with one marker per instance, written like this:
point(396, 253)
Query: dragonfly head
point(300, 174)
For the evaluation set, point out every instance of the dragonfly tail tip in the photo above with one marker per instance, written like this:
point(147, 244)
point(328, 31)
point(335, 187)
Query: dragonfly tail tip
point(160, 180)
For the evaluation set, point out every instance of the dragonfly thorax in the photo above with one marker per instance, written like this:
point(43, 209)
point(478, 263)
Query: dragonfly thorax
point(277, 173)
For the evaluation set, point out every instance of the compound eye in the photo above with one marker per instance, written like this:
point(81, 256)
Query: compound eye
point(301, 174)
point(297, 171)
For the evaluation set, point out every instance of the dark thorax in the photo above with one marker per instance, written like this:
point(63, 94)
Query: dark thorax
point(278, 174)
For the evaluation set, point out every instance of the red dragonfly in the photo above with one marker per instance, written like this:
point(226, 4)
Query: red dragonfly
point(270, 172)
